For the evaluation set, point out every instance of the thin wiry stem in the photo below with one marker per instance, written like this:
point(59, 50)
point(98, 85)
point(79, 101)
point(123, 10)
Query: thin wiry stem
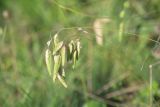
point(82, 29)
point(4, 33)
point(151, 82)
point(150, 85)
point(143, 63)
point(76, 12)
point(157, 44)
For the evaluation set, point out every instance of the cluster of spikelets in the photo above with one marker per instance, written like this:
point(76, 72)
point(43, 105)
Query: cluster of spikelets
point(58, 54)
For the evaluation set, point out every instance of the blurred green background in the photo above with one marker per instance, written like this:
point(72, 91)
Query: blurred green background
point(110, 75)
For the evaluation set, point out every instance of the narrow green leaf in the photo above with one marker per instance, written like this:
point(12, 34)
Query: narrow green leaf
point(57, 62)
point(62, 81)
point(48, 60)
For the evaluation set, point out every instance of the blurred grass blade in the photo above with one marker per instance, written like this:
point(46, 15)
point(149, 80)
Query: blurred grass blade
point(121, 28)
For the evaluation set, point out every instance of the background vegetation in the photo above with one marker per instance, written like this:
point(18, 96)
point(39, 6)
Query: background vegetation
point(112, 75)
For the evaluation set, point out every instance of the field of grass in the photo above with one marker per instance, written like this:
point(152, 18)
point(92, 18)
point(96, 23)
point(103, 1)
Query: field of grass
point(121, 71)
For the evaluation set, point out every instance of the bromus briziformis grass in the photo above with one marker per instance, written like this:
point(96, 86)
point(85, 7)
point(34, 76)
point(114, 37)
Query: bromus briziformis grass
point(57, 54)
